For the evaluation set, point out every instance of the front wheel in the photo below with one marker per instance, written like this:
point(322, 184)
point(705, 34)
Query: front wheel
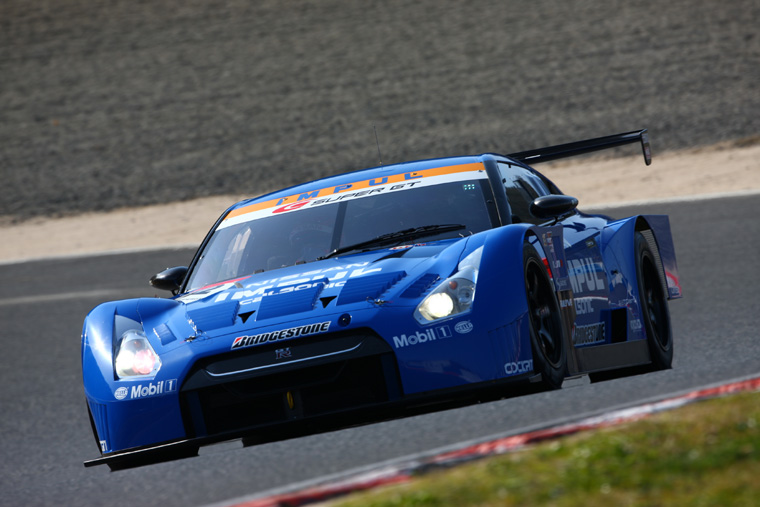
point(653, 306)
point(549, 354)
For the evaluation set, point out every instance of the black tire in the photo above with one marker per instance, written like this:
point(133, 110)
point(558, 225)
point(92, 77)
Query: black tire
point(546, 337)
point(653, 304)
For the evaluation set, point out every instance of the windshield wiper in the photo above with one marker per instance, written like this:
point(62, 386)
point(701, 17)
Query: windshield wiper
point(395, 237)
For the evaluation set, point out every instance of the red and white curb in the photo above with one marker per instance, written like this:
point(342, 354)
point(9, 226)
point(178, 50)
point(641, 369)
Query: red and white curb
point(405, 472)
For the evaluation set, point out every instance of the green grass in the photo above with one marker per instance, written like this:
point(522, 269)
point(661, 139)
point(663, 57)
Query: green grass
point(704, 454)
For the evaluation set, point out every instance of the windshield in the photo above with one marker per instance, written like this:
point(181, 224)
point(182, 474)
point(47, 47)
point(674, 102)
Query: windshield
point(313, 228)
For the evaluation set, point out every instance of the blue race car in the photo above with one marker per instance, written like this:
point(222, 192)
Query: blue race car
point(375, 293)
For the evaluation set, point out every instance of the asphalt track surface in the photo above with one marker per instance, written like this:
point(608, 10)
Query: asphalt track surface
point(45, 434)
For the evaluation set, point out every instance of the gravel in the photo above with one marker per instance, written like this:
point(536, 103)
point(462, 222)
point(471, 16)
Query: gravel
point(126, 103)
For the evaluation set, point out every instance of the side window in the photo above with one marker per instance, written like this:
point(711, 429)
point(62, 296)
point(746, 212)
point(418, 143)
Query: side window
point(522, 187)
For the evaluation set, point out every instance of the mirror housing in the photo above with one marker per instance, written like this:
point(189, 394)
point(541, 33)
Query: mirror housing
point(553, 205)
point(169, 279)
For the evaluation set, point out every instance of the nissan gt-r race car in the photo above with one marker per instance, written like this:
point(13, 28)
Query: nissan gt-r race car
point(375, 294)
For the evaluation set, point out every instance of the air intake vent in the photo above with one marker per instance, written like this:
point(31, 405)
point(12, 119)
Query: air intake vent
point(368, 287)
point(214, 317)
point(289, 302)
point(421, 285)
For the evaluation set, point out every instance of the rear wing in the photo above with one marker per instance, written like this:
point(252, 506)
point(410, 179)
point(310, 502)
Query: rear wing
point(579, 147)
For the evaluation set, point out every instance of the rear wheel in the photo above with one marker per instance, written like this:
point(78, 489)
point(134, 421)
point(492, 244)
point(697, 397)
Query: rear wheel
point(653, 305)
point(549, 355)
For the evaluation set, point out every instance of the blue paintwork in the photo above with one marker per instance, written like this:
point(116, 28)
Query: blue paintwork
point(593, 257)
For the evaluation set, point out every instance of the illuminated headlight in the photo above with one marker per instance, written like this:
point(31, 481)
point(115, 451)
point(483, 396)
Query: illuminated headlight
point(135, 357)
point(454, 295)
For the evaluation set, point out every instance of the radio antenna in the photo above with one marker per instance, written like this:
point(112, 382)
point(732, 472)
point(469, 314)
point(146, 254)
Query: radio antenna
point(379, 157)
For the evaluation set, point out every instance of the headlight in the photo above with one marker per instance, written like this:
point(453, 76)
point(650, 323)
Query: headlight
point(135, 356)
point(454, 295)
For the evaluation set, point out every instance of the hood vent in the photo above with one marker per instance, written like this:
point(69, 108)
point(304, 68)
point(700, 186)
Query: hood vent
point(289, 302)
point(214, 316)
point(164, 334)
point(368, 287)
point(420, 286)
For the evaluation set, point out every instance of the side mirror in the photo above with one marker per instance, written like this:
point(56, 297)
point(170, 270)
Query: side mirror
point(169, 279)
point(553, 206)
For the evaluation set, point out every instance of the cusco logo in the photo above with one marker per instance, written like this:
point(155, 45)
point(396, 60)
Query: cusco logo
point(517, 367)
point(463, 327)
point(121, 393)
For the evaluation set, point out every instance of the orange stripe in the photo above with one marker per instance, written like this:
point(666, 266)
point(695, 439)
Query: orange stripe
point(353, 187)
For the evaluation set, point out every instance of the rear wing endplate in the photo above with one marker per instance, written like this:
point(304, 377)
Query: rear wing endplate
point(579, 147)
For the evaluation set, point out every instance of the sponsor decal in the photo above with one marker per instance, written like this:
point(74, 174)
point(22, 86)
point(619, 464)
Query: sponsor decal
point(552, 242)
point(283, 334)
point(549, 244)
point(146, 390)
point(103, 446)
point(586, 275)
point(283, 353)
point(517, 367)
point(428, 335)
point(464, 327)
point(587, 335)
point(355, 190)
point(583, 306)
point(331, 277)
point(636, 325)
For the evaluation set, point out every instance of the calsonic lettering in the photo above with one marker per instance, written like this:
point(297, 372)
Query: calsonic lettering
point(145, 391)
point(422, 337)
point(583, 306)
point(301, 281)
point(283, 334)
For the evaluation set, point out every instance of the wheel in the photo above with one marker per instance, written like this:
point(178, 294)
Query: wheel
point(654, 306)
point(549, 354)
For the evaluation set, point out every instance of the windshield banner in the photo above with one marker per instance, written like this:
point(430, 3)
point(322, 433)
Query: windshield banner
point(355, 190)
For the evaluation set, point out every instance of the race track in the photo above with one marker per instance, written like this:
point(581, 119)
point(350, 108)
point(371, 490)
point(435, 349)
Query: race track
point(45, 434)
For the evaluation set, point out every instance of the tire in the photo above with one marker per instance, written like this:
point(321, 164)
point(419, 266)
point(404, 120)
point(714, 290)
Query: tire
point(653, 305)
point(546, 336)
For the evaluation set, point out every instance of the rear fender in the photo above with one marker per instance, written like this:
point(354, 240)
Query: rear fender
point(618, 239)
point(661, 242)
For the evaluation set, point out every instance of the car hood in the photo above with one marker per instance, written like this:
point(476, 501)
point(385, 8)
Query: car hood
point(398, 276)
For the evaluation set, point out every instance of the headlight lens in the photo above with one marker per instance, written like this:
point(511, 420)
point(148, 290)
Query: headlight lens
point(454, 295)
point(136, 357)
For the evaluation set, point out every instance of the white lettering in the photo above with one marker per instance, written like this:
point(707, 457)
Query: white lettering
point(515, 368)
point(160, 387)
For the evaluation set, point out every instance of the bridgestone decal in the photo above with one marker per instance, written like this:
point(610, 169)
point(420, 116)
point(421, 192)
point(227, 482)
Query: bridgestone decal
point(283, 334)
